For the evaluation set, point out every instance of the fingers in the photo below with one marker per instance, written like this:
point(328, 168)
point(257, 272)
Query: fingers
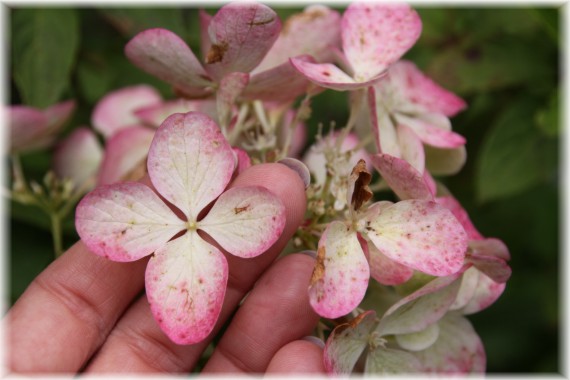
point(68, 310)
point(148, 344)
point(276, 312)
point(299, 356)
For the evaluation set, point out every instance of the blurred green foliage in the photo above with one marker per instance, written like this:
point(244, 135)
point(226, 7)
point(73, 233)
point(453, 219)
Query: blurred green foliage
point(503, 61)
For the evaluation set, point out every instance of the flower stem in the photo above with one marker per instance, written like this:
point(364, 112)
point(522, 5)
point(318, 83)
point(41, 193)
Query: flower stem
point(56, 234)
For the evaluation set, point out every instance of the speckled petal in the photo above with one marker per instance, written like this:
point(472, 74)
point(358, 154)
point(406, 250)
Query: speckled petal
point(231, 86)
point(124, 151)
point(422, 308)
point(377, 35)
point(155, 114)
point(185, 286)
point(78, 156)
point(314, 31)
point(432, 134)
point(402, 177)
point(388, 361)
point(411, 147)
point(420, 340)
point(421, 91)
point(241, 34)
point(245, 221)
point(445, 161)
point(385, 270)
point(495, 268)
point(279, 84)
point(458, 349)
point(190, 162)
point(450, 203)
point(347, 342)
point(125, 221)
point(340, 277)
point(486, 293)
point(116, 109)
point(382, 126)
point(421, 235)
point(329, 76)
point(165, 55)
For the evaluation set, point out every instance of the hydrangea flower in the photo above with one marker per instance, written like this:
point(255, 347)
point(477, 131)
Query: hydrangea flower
point(189, 164)
point(373, 37)
point(416, 233)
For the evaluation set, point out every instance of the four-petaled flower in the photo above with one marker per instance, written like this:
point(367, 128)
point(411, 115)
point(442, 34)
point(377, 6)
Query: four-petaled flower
point(189, 164)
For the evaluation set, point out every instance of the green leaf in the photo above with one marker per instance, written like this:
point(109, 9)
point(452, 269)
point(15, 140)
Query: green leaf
point(130, 21)
point(547, 119)
point(510, 160)
point(45, 43)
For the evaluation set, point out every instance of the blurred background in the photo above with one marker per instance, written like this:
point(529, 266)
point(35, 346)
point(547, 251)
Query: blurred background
point(505, 62)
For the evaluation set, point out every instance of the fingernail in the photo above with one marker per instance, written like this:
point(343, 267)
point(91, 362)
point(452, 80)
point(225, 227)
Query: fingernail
point(299, 168)
point(313, 339)
point(313, 254)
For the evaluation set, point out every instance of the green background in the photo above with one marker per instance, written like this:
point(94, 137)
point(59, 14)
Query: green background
point(503, 61)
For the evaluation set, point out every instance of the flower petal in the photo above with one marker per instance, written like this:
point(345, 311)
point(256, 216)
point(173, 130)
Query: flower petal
point(445, 161)
point(495, 268)
point(190, 162)
point(450, 203)
point(420, 340)
point(382, 126)
point(245, 221)
point(27, 124)
point(314, 32)
point(376, 35)
point(278, 84)
point(185, 286)
point(422, 308)
point(231, 86)
point(78, 156)
point(165, 55)
point(431, 134)
point(411, 147)
point(298, 167)
point(124, 151)
point(125, 221)
point(241, 35)
point(467, 288)
point(205, 42)
point(340, 277)
point(59, 113)
point(155, 114)
point(243, 160)
point(421, 235)
point(486, 293)
point(387, 361)
point(490, 247)
point(458, 349)
point(116, 109)
point(420, 90)
point(329, 76)
point(347, 342)
point(402, 177)
point(385, 270)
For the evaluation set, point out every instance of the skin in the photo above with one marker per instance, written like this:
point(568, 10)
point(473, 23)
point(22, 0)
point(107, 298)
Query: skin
point(86, 314)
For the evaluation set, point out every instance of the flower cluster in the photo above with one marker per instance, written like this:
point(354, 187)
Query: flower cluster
point(386, 231)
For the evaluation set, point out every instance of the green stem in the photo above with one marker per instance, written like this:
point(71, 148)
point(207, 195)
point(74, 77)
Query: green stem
point(56, 234)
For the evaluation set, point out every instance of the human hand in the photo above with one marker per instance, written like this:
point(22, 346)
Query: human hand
point(85, 313)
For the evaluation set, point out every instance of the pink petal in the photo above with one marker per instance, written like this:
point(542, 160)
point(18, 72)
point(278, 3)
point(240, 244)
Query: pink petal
point(347, 342)
point(231, 86)
point(185, 286)
point(155, 114)
point(422, 308)
point(314, 32)
point(340, 277)
point(124, 152)
point(243, 160)
point(329, 76)
point(420, 90)
point(467, 289)
point(431, 134)
point(59, 113)
point(376, 35)
point(165, 55)
point(486, 293)
point(27, 126)
point(299, 138)
point(78, 156)
point(298, 167)
point(125, 221)
point(450, 203)
point(411, 147)
point(116, 109)
point(402, 177)
point(387, 361)
point(445, 161)
point(385, 270)
point(190, 162)
point(493, 267)
point(458, 349)
point(383, 128)
point(430, 182)
point(241, 34)
point(490, 247)
point(422, 235)
point(205, 43)
point(279, 84)
point(245, 221)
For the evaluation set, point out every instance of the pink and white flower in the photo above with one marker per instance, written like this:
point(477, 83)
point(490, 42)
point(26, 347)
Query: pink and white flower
point(189, 164)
